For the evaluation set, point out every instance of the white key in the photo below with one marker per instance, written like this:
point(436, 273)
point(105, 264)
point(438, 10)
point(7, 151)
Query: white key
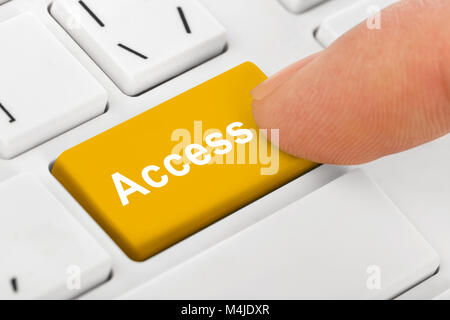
point(443, 296)
point(140, 44)
point(342, 21)
point(44, 91)
point(3, 1)
point(45, 253)
point(297, 6)
point(346, 240)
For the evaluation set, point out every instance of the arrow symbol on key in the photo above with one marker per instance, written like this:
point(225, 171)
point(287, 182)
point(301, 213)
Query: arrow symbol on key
point(184, 20)
point(11, 118)
point(91, 13)
point(14, 285)
point(132, 51)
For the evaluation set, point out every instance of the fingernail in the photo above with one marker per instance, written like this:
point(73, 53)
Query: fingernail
point(269, 85)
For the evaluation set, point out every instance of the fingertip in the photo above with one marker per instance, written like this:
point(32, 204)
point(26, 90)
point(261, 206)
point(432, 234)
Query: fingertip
point(272, 83)
point(349, 108)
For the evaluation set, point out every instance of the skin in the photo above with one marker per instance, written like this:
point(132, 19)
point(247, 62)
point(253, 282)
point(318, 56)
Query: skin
point(370, 94)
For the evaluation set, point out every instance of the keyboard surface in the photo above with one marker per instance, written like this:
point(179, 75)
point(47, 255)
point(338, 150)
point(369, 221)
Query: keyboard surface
point(106, 67)
point(294, 254)
point(171, 203)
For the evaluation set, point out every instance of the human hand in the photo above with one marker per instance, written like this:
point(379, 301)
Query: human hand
point(370, 94)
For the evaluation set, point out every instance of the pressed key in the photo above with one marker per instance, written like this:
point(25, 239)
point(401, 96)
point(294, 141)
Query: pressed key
point(128, 178)
point(346, 240)
point(140, 44)
point(44, 90)
point(45, 253)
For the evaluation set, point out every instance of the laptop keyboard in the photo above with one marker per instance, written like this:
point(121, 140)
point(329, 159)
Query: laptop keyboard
point(44, 250)
point(291, 245)
point(297, 6)
point(115, 166)
point(59, 102)
point(124, 37)
point(335, 25)
point(177, 198)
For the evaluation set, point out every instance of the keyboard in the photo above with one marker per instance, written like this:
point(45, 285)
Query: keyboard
point(131, 166)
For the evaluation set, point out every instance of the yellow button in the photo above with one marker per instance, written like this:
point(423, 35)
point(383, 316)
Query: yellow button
point(175, 169)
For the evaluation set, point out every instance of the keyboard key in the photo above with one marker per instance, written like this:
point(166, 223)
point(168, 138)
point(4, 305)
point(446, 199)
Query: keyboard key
point(297, 6)
point(45, 253)
point(443, 296)
point(347, 240)
point(3, 1)
point(134, 184)
point(342, 21)
point(141, 44)
point(44, 91)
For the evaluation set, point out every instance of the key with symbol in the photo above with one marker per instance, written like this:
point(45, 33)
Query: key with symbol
point(9, 115)
point(141, 44)
point(46, 254)
point(44, 91)
point(133, 182)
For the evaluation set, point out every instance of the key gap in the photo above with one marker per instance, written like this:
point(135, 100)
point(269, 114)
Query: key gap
point(91, 13)
point(132, 51)
point(11, 118)
point(183, 19)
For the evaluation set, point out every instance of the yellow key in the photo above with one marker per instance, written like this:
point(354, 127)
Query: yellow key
point(175, 169)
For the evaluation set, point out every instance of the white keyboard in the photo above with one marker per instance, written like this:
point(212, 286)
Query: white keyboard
point(70, 70)
point(312, 249)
